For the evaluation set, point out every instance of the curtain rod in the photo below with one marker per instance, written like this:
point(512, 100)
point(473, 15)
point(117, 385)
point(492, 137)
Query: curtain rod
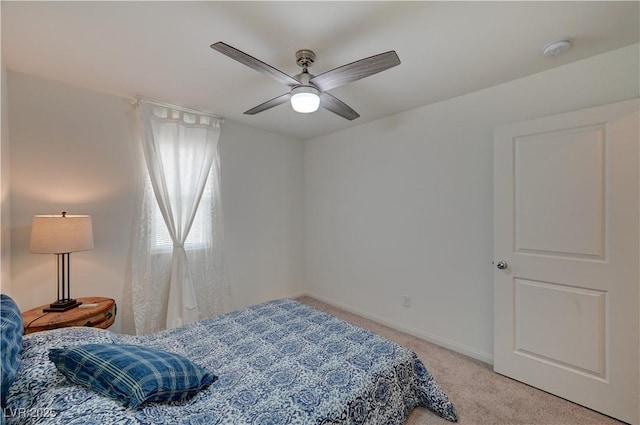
point(137, 100)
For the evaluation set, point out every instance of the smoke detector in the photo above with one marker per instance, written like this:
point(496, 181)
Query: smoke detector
point(556, 47)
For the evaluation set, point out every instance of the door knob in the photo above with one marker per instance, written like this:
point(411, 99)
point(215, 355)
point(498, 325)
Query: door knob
point(502, 265)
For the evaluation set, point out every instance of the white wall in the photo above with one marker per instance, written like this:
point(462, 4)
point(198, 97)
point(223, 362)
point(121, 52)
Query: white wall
point(5, 210)
point(262, 195)
point(403, 205)
point(73, 149)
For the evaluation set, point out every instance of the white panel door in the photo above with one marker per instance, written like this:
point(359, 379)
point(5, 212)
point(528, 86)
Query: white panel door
point(566, 240)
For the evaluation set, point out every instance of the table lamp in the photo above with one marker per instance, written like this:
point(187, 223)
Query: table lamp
point(61, 235)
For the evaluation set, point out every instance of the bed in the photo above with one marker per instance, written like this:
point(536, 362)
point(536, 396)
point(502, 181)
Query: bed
point(277, 363)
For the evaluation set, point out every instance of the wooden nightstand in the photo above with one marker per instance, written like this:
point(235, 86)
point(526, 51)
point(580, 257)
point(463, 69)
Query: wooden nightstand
point(102, 316)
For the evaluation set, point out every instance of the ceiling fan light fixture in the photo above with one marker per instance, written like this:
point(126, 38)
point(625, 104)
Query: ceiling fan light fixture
point(305, 99)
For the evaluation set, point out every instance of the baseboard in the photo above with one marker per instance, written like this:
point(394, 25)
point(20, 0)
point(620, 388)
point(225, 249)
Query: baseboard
point(443, 342)
point(299, 294)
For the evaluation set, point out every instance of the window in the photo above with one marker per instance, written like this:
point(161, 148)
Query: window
point(197, 238)
point(181, 159)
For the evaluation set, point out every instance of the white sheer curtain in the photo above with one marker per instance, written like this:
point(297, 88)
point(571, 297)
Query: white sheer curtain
point(177, 267)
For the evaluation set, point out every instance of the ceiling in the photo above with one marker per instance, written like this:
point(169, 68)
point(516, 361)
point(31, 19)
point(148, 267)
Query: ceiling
point(160, 50)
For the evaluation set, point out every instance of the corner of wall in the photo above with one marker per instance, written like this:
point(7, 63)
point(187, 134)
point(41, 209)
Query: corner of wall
point(5, 210)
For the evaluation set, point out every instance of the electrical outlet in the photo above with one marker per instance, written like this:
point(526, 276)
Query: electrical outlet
point(406, 301)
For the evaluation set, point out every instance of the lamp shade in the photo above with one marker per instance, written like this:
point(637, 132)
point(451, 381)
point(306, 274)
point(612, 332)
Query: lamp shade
point(305, 99)
point(57, 234)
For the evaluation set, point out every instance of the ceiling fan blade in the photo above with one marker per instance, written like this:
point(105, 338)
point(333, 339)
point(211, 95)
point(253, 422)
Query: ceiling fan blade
point(355, 70)
point(269, 104)
point(254, 63)
point(337, 106)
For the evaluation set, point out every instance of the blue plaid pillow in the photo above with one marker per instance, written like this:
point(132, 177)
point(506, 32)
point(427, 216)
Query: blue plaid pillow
point(131, 374)
point(11, 344)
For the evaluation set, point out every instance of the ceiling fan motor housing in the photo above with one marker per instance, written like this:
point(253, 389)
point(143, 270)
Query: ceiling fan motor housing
point(304, 78)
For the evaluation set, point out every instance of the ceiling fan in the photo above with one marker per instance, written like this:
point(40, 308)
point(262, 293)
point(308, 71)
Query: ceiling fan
point(308, 92)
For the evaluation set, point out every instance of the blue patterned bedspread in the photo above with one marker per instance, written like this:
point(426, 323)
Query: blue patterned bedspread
point(278, 363)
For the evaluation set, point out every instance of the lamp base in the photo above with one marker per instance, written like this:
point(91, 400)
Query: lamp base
point(61, 305)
